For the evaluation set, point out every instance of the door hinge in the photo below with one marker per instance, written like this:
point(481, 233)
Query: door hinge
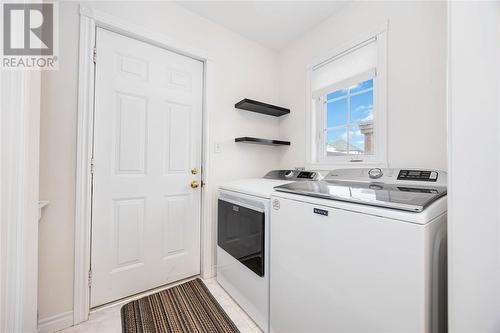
point(94, 55)
point(90, 278)
point(92, 166)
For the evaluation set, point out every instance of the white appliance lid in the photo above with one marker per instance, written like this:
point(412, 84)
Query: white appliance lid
point(259, 187)
point(404, 189)
point(408, 198)
point(263, 187)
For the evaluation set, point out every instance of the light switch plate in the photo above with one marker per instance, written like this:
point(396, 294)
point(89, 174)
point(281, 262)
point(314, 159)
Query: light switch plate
point(217, 148)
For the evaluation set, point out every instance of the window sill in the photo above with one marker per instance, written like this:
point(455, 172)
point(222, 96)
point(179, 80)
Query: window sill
point(329, 165)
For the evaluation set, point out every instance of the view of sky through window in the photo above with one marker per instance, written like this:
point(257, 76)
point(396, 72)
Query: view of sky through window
point(349, 120)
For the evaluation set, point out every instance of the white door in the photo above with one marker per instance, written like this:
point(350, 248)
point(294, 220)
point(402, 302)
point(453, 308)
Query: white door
point(147, 138)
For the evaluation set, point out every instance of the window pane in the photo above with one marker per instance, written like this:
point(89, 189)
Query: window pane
point(336, 94)
point(356, 141)
point(361, 108)
point(336, 142)
point(349, 121)
point(361, 139)
point(362, 122)
point(362, 86)
point(336, 113)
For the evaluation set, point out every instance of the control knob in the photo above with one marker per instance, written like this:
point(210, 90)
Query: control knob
point(375, 173)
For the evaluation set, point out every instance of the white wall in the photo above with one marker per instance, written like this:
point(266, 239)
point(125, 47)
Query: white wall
point(474, 167)
point(57, 172)
point(416, 77)
point(242, 69)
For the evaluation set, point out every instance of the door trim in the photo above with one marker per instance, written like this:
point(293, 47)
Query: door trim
point(19, 151)
point(90, 19)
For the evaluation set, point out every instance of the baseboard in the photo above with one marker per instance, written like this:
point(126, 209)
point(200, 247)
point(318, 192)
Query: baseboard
point(214, 271)
point(55, 323)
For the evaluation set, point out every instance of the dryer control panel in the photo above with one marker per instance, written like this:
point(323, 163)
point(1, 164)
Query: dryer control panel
point(294, 175)
point(418, 175)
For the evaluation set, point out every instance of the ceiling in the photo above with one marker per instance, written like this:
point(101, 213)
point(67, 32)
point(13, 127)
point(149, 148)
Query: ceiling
point(273, 24)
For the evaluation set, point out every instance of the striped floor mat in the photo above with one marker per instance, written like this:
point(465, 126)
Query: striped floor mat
point(188, 307)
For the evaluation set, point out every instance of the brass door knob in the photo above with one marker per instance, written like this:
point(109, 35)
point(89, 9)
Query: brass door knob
point(194, 184)
point(194, 171)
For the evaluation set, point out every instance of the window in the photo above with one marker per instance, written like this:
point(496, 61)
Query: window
point(349, 120)
point(346, 122)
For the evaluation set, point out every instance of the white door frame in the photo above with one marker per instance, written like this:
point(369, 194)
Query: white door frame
point(19, 150)
point(90, 19)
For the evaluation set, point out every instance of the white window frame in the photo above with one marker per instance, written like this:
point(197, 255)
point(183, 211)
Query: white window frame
point(316, 157)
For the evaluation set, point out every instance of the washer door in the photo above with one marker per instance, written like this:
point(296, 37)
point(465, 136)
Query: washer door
point(240, 232)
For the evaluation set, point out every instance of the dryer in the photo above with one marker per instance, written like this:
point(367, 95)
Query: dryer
point(243, 239)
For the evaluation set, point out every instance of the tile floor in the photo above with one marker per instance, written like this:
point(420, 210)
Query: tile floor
point(108, 320)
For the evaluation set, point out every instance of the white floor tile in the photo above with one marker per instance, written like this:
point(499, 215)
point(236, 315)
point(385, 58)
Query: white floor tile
point(256, 330)
point(108, 320)
point(216, 290)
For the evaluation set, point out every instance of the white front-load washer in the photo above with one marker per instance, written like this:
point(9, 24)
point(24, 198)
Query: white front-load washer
point(360, 251)
point(243, 239)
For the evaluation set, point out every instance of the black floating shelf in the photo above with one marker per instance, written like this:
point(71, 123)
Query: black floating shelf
point(258, 141)
point(259, 107)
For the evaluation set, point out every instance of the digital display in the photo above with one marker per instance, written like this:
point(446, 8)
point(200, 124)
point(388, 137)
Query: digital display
point(305, 174)
point(419, 175)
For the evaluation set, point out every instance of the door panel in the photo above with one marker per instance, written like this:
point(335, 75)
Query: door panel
point(129, 222)
point(131, 134)
point(147, 137)
point(174, 220)
point(177, 119)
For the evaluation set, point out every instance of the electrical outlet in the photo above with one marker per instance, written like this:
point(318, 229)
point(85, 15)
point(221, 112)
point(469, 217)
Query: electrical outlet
point(217, 148)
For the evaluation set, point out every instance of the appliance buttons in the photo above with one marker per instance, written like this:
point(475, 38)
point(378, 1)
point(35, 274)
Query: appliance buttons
point(276, 204)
